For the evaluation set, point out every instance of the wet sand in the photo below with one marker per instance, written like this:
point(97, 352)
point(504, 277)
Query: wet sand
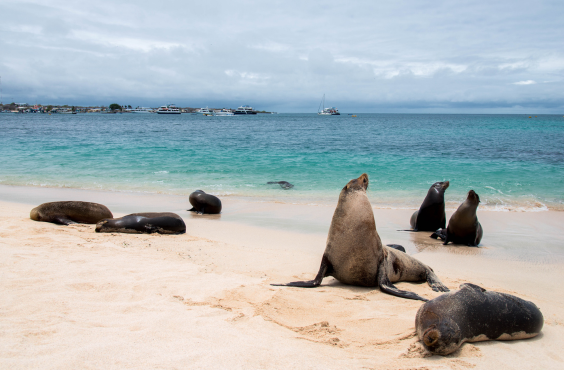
point(72, 298)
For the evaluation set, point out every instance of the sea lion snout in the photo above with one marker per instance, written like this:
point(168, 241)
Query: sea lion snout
point(472, 195)
point(431, 337)
point(445, 185)
point(34, 215)
point(361, 183)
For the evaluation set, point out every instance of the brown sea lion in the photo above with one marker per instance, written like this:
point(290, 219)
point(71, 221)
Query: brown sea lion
point(354, 253)
point(70, 212)
point(204, 203)
point(431, 214)
point(463, 226)
point(147, 223)
point(473, 314)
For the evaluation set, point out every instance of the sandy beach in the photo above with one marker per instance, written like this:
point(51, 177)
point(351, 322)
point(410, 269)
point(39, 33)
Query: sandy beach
point(75, 299)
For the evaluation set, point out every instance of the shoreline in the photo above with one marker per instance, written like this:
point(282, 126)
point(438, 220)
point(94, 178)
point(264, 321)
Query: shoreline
point(74, 298)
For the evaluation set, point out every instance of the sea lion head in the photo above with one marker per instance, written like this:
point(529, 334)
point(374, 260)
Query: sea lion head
point(439, 187)
point(35, 215)
point(100, 225)
point(360, 184)
point(443, 337)
point(473, 197)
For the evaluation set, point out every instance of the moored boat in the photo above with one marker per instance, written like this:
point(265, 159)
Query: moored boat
point(168, 109)
point(245, 109)
point(331, 111)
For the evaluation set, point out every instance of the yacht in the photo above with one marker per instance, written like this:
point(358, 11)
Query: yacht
point(223, 113)
point(168, 109)
point(245, 109)
point(331, 111)
point(205, 111)
point(142, 110)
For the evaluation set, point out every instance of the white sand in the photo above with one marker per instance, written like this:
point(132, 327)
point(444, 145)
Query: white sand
point(71, 298)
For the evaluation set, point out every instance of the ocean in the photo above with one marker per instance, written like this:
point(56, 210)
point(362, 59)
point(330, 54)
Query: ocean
point(512, 161)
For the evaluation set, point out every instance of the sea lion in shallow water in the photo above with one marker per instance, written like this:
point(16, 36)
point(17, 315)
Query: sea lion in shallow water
point(70, 212)
point(473, 314)
point(283, 184)
point(431, 214)
point(463, 226)
point(204, 203)
point(147, 223)
point(354, 253)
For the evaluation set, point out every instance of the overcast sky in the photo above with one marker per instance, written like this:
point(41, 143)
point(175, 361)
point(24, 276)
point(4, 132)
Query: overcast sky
point(365, 56)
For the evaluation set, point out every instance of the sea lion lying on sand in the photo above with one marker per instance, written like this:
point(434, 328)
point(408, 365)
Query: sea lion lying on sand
point(473, 314)
point(70, 212)
point(204, 203)
point(431, 214)
point(354, 253)
point(147, 223)
point(463, 226)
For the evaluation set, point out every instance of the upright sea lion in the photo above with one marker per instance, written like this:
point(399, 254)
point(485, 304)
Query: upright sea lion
point(283, 184)
point(463, 226)
point(354, 253)
point(431, 214)
point(148, 223)
point(70, 212)
point(471, 315)
point(204, 203)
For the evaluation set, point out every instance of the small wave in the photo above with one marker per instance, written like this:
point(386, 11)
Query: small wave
point(492, 188)
point(159, 172)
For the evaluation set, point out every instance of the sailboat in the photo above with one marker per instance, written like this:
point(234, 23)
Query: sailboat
point(331, 111)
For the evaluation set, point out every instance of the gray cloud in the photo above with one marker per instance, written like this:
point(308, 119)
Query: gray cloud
point(464, 56)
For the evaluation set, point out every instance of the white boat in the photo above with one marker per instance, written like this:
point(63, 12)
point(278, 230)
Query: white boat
point(168, 109)
point(223, 113)
point(205, 111)
point(331, 111)
point(245, 109)
point(141, 110)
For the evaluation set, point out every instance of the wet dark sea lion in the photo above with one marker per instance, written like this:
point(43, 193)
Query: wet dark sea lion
point(147, 223)
point(463, 226)
point(204, 203)
point(283, 184)
point(70, 212)
point(473, 314)
point(431, 215)
point(354, 253)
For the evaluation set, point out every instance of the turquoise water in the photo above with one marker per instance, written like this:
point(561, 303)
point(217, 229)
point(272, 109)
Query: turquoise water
point(513, 162)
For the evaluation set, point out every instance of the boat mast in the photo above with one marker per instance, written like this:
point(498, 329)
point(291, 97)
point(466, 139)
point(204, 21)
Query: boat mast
point(322, 102)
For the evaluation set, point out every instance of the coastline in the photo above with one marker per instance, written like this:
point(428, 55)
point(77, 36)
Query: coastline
point(74, 298)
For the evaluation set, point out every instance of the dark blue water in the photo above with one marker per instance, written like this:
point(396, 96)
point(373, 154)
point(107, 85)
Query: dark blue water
point(511, 161)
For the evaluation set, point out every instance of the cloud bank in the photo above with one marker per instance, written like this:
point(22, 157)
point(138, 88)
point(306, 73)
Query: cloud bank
point(365, 56)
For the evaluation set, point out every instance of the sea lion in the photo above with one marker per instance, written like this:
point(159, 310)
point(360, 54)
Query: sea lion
point(354, 253)
point(473, 314)
point(204, 203)
point(431, 214)
point(70, 212)
point(397, 247)
point(463, 226)
point(283, 184)
point(148, 223)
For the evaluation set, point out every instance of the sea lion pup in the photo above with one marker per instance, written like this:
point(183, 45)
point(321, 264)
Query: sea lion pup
point(70, 212)
point(431, 214)
point(204, 203)
point(473, 314)
point(283, 184)
point(354, 253)
point(463, 226)
point(148, 223)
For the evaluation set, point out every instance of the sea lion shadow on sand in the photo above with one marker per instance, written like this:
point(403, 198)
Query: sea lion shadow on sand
point(354, 253)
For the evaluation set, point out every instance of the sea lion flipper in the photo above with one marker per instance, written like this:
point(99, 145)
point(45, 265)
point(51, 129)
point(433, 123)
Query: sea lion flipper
point(192, 209)
point(434, 282)
point(386, 286)
point(325, 266)
point(61, 220)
